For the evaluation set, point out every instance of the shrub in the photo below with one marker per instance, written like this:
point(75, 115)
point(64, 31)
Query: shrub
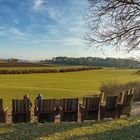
point(138, 72)
point(112, 88)
point(30, 71)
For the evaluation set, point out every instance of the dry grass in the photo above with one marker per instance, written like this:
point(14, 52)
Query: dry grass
point(138, 72)
point(110, 88)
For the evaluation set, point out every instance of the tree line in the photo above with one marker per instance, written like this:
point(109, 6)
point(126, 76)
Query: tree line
point(94, 61)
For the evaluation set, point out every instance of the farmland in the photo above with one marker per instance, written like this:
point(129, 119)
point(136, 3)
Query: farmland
point(59, 85)
point(30, 68)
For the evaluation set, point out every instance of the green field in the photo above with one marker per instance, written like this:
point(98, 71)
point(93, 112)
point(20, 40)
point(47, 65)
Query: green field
point(59, 85)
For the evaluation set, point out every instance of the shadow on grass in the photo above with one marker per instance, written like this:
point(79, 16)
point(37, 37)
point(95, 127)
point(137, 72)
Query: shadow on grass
point(125, 133)
point(34, 131)
point(72, 131)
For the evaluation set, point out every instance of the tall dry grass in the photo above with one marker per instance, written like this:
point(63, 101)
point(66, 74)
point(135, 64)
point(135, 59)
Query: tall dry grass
point(112, 88)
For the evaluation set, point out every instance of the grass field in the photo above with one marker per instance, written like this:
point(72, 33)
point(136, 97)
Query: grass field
point(71, 84)
point(123, 129)
point(59, 85)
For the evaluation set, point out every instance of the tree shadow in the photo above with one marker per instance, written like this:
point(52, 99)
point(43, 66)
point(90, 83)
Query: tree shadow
point(131, 132)
point(34, 131)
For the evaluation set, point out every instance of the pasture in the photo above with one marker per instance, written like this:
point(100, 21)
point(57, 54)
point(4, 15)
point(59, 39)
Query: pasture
point(60, 85)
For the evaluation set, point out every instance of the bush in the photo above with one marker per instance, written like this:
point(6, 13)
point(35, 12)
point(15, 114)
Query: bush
point(79, 69)
point(138, 72)
point(112, 88)
point(47, 70)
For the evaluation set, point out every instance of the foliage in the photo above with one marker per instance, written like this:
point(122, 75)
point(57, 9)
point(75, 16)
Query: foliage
point(31, 70)
point(95, 61)
point(114, 22)
point(115, 88)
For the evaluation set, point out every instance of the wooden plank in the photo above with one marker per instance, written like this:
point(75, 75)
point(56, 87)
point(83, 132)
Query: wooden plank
point(1, 104)
point(16, 109)
point(74, 104)
point(46, 105)
point(69, 109)
point(111, 102)
point(69, 104)
point(102, 96)
point(120, 97)
point(20, 110)
point(126, 92)
point(13, 105)
point(91, 102)
point(20, 105)
point(128, 99)
point(132, 91)
point(24, 105)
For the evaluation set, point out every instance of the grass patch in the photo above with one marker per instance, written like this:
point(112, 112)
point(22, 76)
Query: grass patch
point(111, 130)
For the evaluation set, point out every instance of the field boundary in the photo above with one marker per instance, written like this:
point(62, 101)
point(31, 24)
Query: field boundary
point(62, 70)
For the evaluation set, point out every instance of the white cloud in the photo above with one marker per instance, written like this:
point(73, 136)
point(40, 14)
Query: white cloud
point(38, 5)
point(13, 33)
point(16, 32)
point(55, 13)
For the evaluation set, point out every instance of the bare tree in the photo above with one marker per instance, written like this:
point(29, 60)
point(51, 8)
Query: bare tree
point(114, 22)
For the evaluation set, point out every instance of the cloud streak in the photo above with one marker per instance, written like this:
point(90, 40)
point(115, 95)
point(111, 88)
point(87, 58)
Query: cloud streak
point(16, 32)
point(46, 27)
point(38, 5)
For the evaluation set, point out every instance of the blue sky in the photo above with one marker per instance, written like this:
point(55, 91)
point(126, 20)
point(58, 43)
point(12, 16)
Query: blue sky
point(39, 29)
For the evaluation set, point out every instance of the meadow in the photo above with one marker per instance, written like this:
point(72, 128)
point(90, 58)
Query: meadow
point(60, 85)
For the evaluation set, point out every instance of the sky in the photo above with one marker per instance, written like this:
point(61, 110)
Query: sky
point(41, 29)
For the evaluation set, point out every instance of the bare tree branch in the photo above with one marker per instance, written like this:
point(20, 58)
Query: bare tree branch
point(114, 22)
